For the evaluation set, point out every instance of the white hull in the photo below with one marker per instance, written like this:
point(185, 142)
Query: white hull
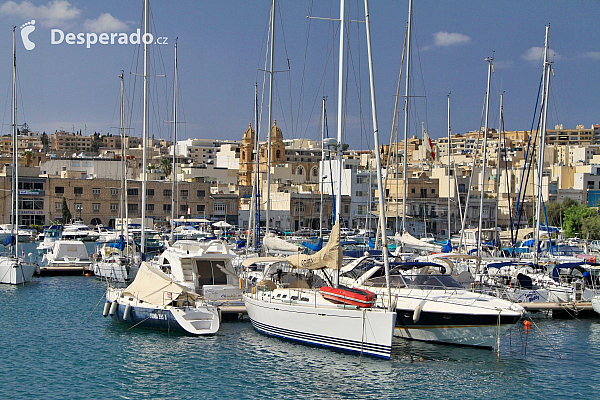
point(320, 323)
point(114, 271)
point(596, 304)
point(15, 272)
point(476, 336)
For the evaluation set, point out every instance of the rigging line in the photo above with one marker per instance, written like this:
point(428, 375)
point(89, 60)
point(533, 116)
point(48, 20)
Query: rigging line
point(321, 85)
point(300, 113)
point(289, 79)
point(22, 109)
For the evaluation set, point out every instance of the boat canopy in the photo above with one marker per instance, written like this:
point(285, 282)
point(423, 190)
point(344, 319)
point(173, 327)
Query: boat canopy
point(260, 260)
point(329, 256)
point(570, 265)
point(155, 287)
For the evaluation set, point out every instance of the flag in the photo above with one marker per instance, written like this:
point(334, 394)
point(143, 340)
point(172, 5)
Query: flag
point(428, 146)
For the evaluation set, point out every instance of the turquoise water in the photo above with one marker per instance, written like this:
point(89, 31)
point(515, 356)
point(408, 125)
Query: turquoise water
point(56, 345)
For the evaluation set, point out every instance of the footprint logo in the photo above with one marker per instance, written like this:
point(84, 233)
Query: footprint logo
point(26, 29)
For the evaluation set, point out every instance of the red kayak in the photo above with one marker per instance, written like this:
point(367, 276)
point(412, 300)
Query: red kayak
point(351, 296)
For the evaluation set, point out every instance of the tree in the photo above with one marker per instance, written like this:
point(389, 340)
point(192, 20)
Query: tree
point(590, 228)
point(166, 166)
point(45, 142)
point(575, 217)
point(66, 214)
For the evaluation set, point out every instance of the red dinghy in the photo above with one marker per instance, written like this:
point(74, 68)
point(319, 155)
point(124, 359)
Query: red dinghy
point(351, 296)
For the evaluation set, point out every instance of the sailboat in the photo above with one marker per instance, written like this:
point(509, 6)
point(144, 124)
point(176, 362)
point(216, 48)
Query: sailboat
point(118, 260)
point(15, 270)
point(298, 306)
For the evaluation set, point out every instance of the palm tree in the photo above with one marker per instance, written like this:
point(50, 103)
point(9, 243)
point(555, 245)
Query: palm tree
point(166, 166)
point(28, 154)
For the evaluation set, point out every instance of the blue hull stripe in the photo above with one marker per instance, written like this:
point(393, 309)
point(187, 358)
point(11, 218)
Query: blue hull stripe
point(370, 349)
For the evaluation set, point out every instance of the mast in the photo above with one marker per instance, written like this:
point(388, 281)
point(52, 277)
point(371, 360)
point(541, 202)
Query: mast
point(123, 177)
point(323, 165)
point(15, 180)
point(254, 178)
point(484, 156)
point(544, 115)
point(174, 163)
point(271, 72)
point(449, 180)
point(406, 103)
point(382, 218)
point(500, 150)
point(144, 132)
point(338, 199)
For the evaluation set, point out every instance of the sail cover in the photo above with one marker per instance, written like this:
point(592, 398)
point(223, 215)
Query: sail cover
point(329, 256)
point(154, 287)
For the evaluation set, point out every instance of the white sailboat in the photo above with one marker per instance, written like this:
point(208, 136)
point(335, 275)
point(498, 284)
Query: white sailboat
point(320, 316)
point(15, 270)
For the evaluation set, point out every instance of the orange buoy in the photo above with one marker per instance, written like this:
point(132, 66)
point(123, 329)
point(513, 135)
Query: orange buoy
point(527, 324)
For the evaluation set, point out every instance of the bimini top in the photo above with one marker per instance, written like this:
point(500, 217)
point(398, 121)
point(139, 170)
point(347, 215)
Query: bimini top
point(153, 286)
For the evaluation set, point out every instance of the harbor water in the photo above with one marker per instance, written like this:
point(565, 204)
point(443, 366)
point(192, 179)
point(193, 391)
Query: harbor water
point(56, 345)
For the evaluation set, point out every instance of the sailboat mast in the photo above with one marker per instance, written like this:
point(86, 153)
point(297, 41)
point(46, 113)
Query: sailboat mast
point(406, 103)
point(123, 177)
point(544, 116)
point(484, 155)
point(271, 72)
point(15, 181)
point(382, 216)
point(500, 151)
point(144, 132)
point(174, 163)
point(321, 183)
point(338, 198)
point(449, 180)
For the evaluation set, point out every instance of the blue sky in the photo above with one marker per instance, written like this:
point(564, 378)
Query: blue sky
point(222, 47)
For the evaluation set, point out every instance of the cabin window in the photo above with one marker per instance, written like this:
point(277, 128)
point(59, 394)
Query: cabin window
point(278, 294)
point(303, 298)
point(284, 296)
point(294, 298)
point(209, 273)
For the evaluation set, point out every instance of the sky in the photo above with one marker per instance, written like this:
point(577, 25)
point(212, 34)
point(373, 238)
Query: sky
point(222, 50)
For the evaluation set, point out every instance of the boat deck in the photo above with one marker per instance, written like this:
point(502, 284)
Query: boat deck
point(570, 309)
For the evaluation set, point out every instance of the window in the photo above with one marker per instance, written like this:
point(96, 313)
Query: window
point(200, 208)
point(432, 191)
point(78, 190)
point(166, 207)
point(346, 208)
point(132, 192)
point(132, 207)
point(25, 204)
point(299, 207)
point(412, 190)
point(59, 189)
point(300, 170)
point(96, 191)
point(167, 193)
point(220, 208)
point(58, 205)
point(114, 206)
point(423, 193)
point(149, 207)
point(590, 184)
point(149, 192)
point(114, 192)
point(184, 193)
point(314, 172)
point(96, 207)
point(183, 208)
point(78, 206)
point(201, 193)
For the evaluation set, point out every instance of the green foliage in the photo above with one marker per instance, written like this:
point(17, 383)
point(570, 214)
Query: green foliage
point(166, 166)
point(575, 217)
point(590, 228)
point(66, 213)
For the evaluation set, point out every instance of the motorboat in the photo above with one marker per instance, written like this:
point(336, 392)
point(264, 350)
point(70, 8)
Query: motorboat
point(205, 268)
point(155, 301)
point(48, 236)
point(66, 256)
point(79, 231)
point(432, 305)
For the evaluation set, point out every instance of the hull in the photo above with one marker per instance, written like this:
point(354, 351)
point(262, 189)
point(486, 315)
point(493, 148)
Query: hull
point(114, 271)
point(196, 321)
point(459, 329)
point(596, 304)
point(15, 273)
point(347, 329)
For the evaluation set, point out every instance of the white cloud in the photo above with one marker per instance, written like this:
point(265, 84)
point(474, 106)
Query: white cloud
point(537, 53)
point(105, 23)
point(56, 13)
point(444, 39)
point(594, 55)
